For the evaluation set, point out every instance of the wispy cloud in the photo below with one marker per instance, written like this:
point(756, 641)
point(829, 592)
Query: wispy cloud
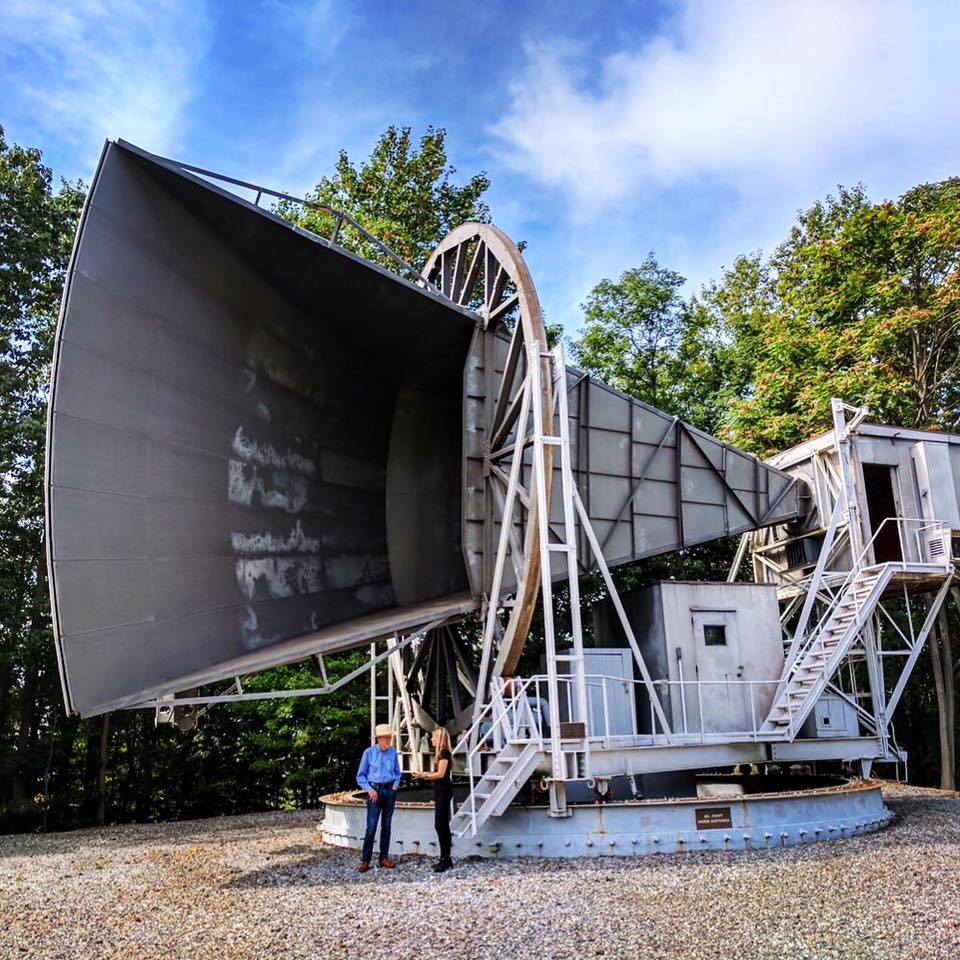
point(701, 139)
point(739, 91)
point(92, 69)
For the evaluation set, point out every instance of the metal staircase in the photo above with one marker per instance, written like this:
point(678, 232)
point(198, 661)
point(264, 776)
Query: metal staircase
point(822, 651)
point(492, 794)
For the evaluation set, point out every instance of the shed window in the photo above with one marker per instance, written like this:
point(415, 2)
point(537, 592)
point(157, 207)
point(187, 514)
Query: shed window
point(715, 634)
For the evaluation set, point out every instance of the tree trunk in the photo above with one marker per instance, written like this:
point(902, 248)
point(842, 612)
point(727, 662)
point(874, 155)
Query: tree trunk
point(63, 789)
point(950, 702)
point(102, 772)
point(28, 698)
point(943, 686)
point(46, 772)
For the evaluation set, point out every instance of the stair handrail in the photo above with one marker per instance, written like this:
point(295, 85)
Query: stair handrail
point(857, 567)
point(499, 710)
point(818, 633)
point(924, 525)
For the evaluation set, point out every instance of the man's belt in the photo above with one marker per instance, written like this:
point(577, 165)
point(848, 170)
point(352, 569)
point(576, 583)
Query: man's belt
point(388, 785)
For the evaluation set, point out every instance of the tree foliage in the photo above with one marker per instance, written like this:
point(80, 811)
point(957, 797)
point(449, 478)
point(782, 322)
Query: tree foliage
point(404, 195)
point(36, 229)
point(860, 302)
point(642, 337)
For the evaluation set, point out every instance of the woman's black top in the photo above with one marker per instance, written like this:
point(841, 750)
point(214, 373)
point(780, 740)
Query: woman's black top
point(444, 786)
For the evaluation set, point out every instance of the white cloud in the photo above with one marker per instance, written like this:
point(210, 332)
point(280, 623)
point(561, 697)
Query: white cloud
point(94, 69)
point(741, 93)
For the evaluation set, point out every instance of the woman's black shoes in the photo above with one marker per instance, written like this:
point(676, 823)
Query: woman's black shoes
point(441, 865)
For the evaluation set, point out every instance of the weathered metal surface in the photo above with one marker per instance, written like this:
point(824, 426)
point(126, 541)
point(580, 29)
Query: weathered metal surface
point(249, 441)
point(757, 821)
point(651, 483)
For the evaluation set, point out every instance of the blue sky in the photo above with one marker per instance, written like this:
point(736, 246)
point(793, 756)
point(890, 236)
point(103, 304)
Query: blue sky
point(694, 129)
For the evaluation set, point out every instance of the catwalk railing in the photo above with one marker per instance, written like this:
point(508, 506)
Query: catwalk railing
point(519, 711)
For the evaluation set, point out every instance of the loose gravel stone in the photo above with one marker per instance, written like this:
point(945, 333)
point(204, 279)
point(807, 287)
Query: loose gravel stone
point(263, 887)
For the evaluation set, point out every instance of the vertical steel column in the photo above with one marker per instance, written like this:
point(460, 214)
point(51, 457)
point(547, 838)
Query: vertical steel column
point(535, 365)
point(570, 537)
point(491, 625)
point(857, 546)
point(396, 665)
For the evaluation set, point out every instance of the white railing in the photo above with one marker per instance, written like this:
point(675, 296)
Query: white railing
point(932, 539)
point(506, 718)
point(752, 697)
point(523, 715)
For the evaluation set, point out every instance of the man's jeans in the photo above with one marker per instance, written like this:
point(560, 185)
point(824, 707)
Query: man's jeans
point(381, 810)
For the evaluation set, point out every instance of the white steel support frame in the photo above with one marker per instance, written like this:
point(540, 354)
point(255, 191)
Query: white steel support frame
point(825, 586)
point(536, 439)
point(568, 547)
point(404, 721)
point(243, 696)
point(842, 429)
point(377, 698)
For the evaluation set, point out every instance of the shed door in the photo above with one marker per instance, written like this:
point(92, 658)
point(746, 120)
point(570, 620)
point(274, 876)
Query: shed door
point(610, 692)
point(719, 665)
point(879, 483)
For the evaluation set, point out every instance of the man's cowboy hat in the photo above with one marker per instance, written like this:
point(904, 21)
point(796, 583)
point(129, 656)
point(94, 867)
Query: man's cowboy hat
point(383, 730)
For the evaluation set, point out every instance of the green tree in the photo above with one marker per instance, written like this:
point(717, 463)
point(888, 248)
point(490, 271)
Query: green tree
point(404, 195)
point(643, 338)
point(860, 302)
point(633, 331)
point(37, 223)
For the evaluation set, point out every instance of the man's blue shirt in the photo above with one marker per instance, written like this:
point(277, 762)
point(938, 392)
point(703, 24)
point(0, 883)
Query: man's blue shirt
point(379, 766)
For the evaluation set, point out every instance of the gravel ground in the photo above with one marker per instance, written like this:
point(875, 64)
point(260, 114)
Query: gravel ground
point(262, 886)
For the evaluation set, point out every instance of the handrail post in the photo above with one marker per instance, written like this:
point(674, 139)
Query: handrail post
point(700, 706)
point(606, 710)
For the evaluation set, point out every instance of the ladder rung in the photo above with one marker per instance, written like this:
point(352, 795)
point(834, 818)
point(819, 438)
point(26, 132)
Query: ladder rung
point(553, 441)
point(561, 547)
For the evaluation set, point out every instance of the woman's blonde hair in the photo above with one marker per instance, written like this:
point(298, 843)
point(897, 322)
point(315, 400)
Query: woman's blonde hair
point(443, 742)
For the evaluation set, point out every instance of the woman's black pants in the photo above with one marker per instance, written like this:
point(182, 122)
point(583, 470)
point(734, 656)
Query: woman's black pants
point(441, 821)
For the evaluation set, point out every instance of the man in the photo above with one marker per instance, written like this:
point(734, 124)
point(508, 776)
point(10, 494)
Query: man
point(379, 776)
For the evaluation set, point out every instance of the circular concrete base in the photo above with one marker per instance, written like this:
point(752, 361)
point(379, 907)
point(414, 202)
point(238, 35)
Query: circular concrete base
point(746, 821)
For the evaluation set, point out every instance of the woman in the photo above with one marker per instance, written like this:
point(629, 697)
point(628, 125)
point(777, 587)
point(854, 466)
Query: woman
point(442, 794)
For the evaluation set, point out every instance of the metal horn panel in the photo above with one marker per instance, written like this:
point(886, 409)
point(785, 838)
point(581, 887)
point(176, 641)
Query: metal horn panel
point(236, 410)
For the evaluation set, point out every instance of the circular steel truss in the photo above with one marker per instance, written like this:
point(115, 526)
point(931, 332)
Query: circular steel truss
point(478, 266)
